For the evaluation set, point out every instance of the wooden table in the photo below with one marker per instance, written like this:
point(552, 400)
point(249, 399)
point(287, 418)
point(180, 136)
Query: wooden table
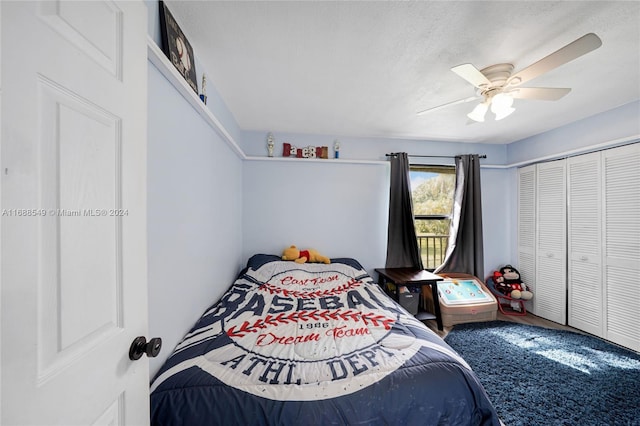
point(413, 277)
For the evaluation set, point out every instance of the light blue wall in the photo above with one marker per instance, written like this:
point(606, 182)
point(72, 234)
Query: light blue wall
point(194, 206)
point(338, 209)
point(498, 226)
point(194, 214)
point(352, 225)
point(619, 125)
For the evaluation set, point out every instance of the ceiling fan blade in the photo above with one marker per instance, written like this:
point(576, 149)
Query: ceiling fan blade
point(539, 93)
point(571, 51)
point(459, 101)
point(472, 75)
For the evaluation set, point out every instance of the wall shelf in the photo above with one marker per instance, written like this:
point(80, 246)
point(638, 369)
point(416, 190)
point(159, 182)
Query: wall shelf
point(157, 57)
point(316, 160)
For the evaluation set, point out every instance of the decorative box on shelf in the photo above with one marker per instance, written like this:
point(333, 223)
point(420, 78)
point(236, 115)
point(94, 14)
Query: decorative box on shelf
point(289, 150)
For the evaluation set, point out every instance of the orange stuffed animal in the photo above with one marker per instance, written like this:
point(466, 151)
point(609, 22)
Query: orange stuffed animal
point(302, 256)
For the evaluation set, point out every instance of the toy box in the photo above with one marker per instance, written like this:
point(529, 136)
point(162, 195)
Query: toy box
point(463, 298)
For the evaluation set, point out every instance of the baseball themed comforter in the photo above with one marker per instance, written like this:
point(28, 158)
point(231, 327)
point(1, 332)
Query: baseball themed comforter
point(314, 344)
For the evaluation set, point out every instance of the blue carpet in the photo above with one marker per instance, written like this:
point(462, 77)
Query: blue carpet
point(538, 376)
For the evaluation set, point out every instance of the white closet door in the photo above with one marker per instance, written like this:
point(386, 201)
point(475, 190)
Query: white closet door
point(621, 169)
point(527, 225)
point(550, 288)
point(585, 288)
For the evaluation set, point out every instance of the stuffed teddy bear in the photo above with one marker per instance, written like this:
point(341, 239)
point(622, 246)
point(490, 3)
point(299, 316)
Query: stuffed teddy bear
point(507, 281)
point(302, 256)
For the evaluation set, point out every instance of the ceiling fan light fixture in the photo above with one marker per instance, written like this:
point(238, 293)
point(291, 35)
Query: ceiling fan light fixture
point(501, 101)
point(478, 112)
point(501, 105)
point(493, 81)
point(502, 113)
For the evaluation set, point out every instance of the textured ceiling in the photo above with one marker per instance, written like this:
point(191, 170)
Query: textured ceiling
point(364, 68)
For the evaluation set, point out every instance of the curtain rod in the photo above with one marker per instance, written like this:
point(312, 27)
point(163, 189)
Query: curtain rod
point(393, 154)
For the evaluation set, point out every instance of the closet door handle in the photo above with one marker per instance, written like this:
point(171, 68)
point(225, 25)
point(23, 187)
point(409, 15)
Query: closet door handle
point(584, 258)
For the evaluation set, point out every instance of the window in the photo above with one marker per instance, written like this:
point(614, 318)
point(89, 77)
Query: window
point(432, 194)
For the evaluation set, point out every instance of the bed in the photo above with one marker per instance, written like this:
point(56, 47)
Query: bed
point(314, 344)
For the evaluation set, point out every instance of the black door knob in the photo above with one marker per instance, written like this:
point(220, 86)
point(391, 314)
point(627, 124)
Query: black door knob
point(140, 346)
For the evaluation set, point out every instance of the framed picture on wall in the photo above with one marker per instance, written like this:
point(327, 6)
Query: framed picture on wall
point(177, 48)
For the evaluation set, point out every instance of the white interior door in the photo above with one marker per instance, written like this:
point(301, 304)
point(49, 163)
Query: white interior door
point(73, 173)
point(550, 296)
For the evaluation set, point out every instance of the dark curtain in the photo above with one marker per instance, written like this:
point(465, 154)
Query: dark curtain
point(465, 252)
point(402, 244)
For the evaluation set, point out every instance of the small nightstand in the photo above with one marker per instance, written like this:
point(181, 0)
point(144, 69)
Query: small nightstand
point(413, 277)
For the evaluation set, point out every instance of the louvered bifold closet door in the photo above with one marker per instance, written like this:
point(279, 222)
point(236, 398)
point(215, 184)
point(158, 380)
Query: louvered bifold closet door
point(621, 169)
point(550, 297)
point(584, 217)
point(527, 225)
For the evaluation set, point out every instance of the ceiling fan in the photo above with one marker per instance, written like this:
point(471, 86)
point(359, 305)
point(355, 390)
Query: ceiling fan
point(497, 87)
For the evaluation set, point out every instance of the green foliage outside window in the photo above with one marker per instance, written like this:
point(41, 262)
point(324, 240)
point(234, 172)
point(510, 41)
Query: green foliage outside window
point(432, 195)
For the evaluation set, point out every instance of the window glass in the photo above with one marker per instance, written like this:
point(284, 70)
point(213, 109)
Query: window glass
point(432, 193)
